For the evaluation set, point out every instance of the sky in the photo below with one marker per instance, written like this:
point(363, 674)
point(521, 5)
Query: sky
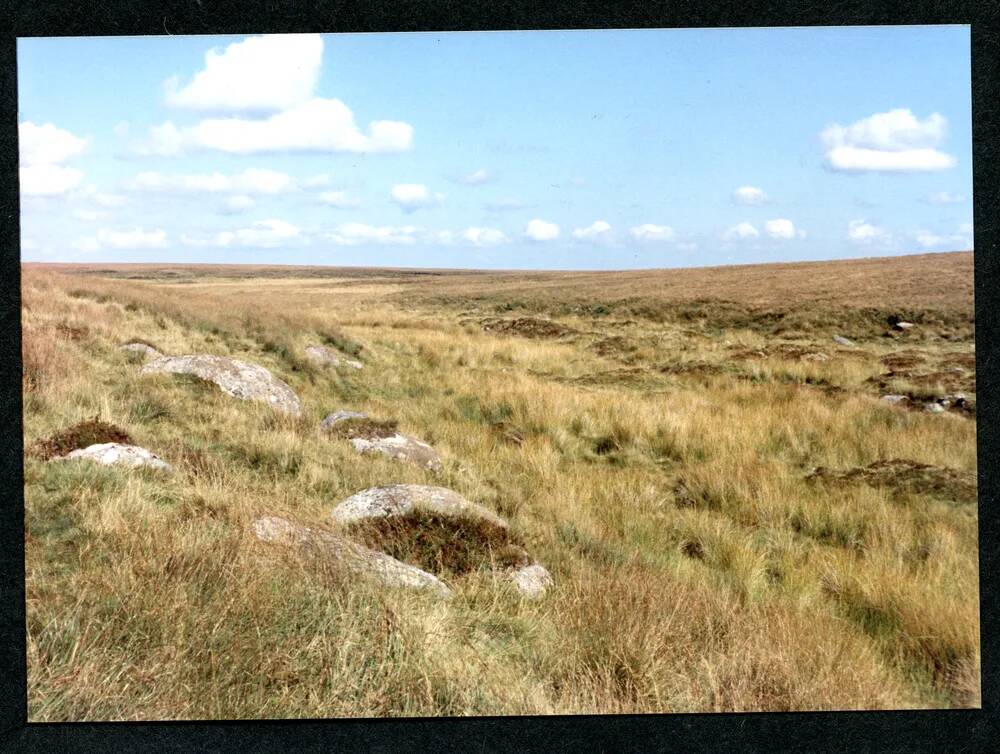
point(503, 150)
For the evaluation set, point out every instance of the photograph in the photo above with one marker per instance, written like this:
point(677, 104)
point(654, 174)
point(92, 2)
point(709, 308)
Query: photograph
point(498, 374)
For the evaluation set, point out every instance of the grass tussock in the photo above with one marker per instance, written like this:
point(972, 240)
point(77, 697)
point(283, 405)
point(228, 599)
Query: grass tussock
point(650, 443)
point(81, 435)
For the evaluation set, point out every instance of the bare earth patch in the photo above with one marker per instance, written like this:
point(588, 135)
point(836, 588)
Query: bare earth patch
point(905, 477)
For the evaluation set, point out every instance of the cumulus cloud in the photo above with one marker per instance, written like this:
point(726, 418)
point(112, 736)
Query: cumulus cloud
point(239, 203)
point(597, 230)
point(250, 181)
point(741, 232)
point(749, 195)
point(264, 234)
point(339, 199)
point(782, 229)
point(356, 234)
point(649, 232)
point(41, 150)
point(413, 196)
point(48, 180)
point(316, 125)
point(265, 73)
point(893, 141)
point(962, 239)
point(474, 178)
point(47, 144)
point(132, 238)
point(484, 236)
point(864, 233)
point(944, 197)
point(540, 230)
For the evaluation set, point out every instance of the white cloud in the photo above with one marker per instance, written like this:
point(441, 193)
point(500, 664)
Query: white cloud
point(891, 141)
point(960, 240)
point(861, 232)
point(250, 181)
point(540, 230)
point(47, 144)
point(356, 234)
point(741, 231)
point(48, 180)
point(649, 232)
point(339, 199)
point(266, 234)
point(41, 149)
point(413, 196)
point(597, 230)
point(783, 229)
point(484, 236)
point(264, 73)
point(239, 203)
point(316, 125)
point(749, 195)
point(475, 178)
point(133, 238)
point(944, 197)
point(91, 194)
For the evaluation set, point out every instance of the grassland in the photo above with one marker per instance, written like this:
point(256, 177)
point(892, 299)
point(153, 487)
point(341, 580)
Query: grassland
point(650, 436)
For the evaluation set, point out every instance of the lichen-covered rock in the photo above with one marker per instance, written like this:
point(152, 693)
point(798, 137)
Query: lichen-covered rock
point(531, 581)
point(234, 377)
point(328, 357)
point(348, 554)
point(113, 453)
point(145, 349)
point(400, 447)
point(400, 499)
point(338, 417)
point(893, 399)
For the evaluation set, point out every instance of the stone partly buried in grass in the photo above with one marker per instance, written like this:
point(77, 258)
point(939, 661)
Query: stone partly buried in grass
point(368, 435)
point(143, 349)
point(324, 356)
point(401, 499)
point(236, 378)
point(349, 555)
point(435, 528)
point(116, 454)
point(902, 477)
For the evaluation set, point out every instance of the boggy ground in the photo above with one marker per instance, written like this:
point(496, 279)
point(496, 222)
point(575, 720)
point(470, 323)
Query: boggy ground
point(732, 523)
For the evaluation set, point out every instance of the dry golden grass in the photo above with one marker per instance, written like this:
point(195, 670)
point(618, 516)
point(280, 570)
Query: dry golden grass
point(659, 477)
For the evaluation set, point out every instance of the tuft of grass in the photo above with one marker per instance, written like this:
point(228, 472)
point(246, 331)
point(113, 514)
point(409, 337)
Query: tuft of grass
point(80, 435)
point(442, 544)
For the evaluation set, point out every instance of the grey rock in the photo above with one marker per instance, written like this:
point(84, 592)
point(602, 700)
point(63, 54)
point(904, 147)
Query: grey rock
point(349, 555)
point(842, 341)
point(532, 581)
point(328, 357)
point(402, 448)
point(236, 378)
point(934, 408)
point(340, 416)
point(400, 499)
point(894, 399)
point(145, 350)
point(117, 454)
point(902, 326)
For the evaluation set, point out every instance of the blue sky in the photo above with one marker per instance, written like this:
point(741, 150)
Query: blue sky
point(554, 150)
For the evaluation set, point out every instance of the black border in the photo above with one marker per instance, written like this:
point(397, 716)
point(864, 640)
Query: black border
point(970, 730)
